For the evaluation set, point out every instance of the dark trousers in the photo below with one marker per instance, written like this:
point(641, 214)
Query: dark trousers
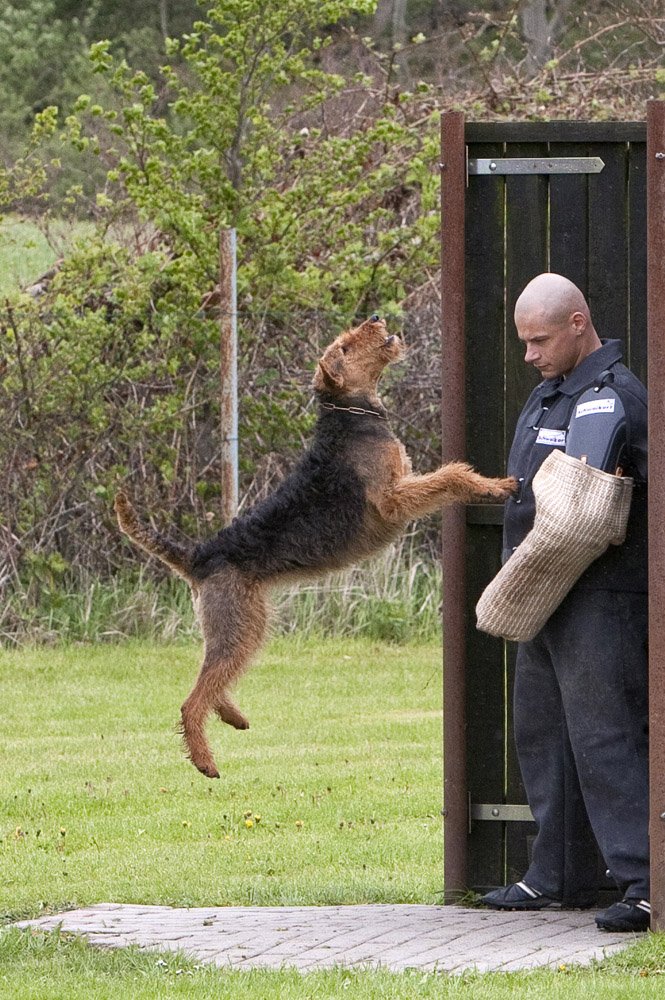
point(581, 716)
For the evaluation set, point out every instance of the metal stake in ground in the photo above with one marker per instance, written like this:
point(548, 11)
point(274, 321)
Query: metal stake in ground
point(228, 373)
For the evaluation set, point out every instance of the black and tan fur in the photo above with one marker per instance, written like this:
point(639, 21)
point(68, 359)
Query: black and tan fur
point(351, 494)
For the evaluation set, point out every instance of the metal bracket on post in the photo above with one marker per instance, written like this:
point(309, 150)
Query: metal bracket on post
point(535, 165)
point(503, 812)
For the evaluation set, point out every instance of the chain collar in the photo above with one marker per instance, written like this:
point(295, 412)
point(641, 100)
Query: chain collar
point(354, 409)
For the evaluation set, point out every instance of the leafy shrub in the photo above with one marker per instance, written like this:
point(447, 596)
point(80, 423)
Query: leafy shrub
point(111, 374)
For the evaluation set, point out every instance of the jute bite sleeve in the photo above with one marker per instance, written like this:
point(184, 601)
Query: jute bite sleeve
point(580, 510)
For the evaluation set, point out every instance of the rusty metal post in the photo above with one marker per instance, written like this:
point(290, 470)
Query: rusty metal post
point(656, 387)
point(228, 374)
point(455, 804)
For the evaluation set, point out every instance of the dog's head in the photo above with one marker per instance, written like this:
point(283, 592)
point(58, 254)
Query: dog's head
point(353, 363)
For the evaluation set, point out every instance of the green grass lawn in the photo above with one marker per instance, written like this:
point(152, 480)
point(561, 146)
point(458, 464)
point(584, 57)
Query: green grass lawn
point(25, 251)
point(48, 967)
point(333, 796)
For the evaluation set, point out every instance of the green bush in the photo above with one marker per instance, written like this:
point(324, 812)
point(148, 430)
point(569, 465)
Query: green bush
point(111, 374)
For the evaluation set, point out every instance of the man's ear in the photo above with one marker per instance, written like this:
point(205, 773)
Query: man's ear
point(328, 375)
point(579, 321)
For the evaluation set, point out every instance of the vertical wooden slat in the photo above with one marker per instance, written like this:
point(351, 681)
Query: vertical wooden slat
point(656, 387)
point(526, 256)
point(636, 357)
point(485, 709)
point(608, 242)
point(455, 807)
point(569, 230)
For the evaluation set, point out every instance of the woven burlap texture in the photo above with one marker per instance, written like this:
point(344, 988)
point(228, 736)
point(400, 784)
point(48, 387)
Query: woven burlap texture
point(580, 511)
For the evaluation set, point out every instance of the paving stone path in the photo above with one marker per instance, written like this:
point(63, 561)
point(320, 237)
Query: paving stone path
point(449, 939)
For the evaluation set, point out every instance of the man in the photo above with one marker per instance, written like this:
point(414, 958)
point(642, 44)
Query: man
point(580, 700)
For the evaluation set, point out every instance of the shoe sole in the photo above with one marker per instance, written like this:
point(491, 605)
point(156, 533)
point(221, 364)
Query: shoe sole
point(547, 906)
point(621, 928)
point(523, 908)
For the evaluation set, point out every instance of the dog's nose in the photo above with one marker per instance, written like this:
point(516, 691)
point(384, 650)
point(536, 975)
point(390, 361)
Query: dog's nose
point(374, 318)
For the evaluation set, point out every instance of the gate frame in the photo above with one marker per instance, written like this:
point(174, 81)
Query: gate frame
point(455, 805)
point(453, 445)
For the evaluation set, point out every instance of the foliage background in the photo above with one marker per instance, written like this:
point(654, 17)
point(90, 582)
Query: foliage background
point(313, 130)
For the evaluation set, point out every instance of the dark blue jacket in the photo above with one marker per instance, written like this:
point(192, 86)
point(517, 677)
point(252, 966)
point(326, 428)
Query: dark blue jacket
point(550, 407)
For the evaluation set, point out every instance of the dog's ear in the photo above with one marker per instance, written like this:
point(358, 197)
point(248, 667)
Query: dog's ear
point(328, 375)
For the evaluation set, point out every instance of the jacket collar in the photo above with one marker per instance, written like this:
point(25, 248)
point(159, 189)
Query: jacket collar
point(587, 371)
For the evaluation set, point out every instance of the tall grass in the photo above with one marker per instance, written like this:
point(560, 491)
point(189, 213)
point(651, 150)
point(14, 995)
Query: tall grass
point(395, 597)
point(130, 606)
point(392, 598)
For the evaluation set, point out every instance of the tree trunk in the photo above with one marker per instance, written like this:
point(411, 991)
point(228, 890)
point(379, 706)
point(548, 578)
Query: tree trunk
point(164, 18)
point(542, 26)
point(399, 21)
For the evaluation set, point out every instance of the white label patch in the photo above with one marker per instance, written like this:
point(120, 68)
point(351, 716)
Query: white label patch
point(595, 406)
point(555, 439)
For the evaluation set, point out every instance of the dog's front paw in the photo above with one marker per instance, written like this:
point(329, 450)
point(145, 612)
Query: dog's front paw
point(501, 489)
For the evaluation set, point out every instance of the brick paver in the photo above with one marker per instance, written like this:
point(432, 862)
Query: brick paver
point(398, 937)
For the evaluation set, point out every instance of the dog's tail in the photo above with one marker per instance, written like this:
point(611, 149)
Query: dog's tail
point(178, 557)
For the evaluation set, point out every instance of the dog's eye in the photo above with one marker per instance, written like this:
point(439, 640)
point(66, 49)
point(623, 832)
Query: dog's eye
point(344, 350)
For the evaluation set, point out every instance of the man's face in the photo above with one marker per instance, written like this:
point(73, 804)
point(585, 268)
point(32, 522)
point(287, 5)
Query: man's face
point(553, 349)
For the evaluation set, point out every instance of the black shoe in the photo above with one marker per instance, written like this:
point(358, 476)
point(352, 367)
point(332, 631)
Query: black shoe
point(519, 896)
point(628, 915)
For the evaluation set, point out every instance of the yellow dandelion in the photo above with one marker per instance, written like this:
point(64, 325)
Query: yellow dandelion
point(248, 823)
point(62, 831)
point(186, 822)
point(227, 837)
point(247, 813)
point(299, 824)
point(257, 817)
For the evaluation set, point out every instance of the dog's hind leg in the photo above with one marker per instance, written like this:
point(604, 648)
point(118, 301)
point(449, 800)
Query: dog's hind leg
point(208, 695)
point(233, 615)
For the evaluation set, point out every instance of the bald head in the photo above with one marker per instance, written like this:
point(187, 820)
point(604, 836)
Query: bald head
point(553, 297)
point(553, 321)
